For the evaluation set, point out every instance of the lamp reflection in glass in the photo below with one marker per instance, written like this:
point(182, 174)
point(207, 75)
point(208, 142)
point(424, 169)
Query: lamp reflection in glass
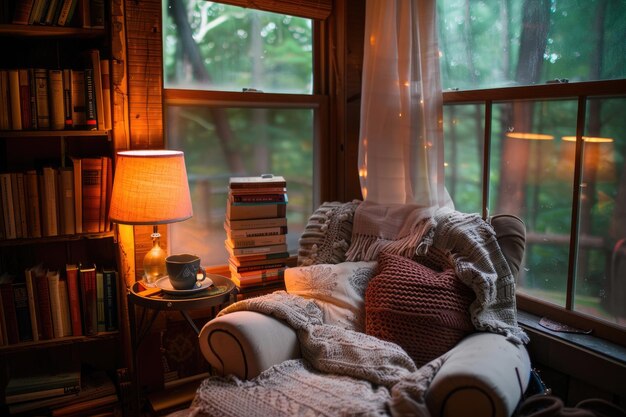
point(151, 188)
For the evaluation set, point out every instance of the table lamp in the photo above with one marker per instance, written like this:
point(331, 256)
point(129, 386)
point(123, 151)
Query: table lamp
point(151, 188)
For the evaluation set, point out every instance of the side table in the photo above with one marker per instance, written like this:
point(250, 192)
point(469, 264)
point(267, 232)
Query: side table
point(221, 293)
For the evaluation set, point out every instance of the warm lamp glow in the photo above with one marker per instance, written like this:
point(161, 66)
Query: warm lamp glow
point(151, 188)
point(590, 139)
point(529, 136)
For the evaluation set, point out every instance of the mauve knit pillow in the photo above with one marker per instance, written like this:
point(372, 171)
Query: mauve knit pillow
point(423, 311)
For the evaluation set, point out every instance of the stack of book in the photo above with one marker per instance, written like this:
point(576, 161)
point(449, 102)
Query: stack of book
point(61, 394)
point(256, 231)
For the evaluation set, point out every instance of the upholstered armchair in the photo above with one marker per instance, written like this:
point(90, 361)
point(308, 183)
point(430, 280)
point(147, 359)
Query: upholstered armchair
point(484, 373)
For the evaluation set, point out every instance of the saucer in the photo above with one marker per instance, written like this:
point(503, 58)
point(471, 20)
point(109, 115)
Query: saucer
point(166, 286)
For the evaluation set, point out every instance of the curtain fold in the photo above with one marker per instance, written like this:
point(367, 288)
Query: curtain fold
point(401, 137)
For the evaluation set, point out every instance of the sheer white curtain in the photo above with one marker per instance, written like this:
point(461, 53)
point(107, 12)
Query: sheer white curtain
point(401, 139)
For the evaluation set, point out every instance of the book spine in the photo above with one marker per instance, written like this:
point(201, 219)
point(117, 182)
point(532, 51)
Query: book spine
point(55, 94)
point(22, 12)
point(67, 99)
point(111, 321)
point(45, 393)
point(88, 297)
point(65, 307)
point(41, 88)
point(96, 67)
point(259, 198)
point(100, 301)
point(10, 317)
point(65, 12)
point(105, 72)
point(51, 212)
point(32, 303)
point(257, 211)
point(19, 203)
point(103, 193)
point(91, 119)
point(66, 200)
point(14, 94)
point(22, 314)
point(79, 115)
point(73, 294)
point(55, 303)
point(25, 110)
point(258, 250)
point(91, 173)
point(33, 207)
point(255, 223)
point(6, 188)
point(265, 231)
point(249, 268)
point(96, 13)
point(45, 312)
point(78, 194)
point(5, 106)
point(32, 85)
point(247, 242)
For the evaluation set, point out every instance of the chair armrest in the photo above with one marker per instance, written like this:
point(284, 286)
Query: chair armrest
point(245, 343)
point(485, 375)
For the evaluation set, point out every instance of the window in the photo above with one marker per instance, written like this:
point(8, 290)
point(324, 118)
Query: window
point(534, 93)
point(239, 101)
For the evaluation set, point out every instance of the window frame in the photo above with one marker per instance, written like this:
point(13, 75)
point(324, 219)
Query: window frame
point(581, 92)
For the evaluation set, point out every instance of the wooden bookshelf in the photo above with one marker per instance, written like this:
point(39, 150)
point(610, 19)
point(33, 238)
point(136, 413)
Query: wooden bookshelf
point(34, 31)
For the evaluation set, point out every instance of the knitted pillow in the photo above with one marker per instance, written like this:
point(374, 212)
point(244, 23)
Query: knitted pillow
point(424, 311)
point(339, 290)
point(327, 235)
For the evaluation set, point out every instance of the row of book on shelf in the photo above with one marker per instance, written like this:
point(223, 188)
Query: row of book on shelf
point(76, 13)
point(57, 99)
point(61, 393)
point(256, 232)
point(48, 304)
point(57, 201)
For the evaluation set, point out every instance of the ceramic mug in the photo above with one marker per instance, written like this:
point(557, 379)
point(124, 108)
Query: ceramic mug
point(183, 271)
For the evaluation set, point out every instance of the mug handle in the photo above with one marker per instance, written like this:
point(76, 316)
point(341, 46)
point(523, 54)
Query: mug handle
point(201, 269)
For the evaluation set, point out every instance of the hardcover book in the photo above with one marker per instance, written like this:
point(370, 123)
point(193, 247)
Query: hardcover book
point(33, 214)
point(255, 211)
point(55, 94)
point(267, 180)
point(231, 224)
point(91, 177)
point(263, 231)
point(33, 302)
point(256, 250)
point(45, 311)
point(248, 242)
point(73, 294)
point(243, 199)
point(87, 278)
point(111, 322)
point(15, 101)
point(55, 303)
point(22, 314)
point(41, 90)
point(8, 307)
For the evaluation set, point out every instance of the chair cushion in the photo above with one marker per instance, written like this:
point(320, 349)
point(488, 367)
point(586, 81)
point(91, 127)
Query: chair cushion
point(328, 234)
point(339, 290)
point(424, 311)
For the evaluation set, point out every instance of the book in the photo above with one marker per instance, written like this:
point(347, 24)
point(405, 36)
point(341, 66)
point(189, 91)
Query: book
point(50, 206)
point(5, 105)
point(255, 211)
point(67, 219)
point(256, 250)
point(266, 180)
point(91, 117)
point(14, 95)
point(55, 303)
point(104, 192)
point(32, 85)
point(3, 330)
point(91, 177)
point(259, 232)
point(57, 103)
point(33, 302)
point(38, 382)
point(65, 306)
point(93, 385)
point(22, 313)
point(96, 13)
point(105, 72)
point(231, 224)
point(67, 99)
point(41, 90)
point(244, 282)
point(66, 12)
point(48, 17)
point(73, 294)
point(260, 190)
point(79, 115)
point(8, 307)
point(241, 199)
point(33, 213)
point(87, 281)
point(45, 311)
point(78, 195)
point(36, 11)
point(247, 242)
point(100, 301)
point(22, 12)
point(6, 190)
point(254, 258)
point(51, 389)
point(257, 265)
point(111, 321)
point(25, 105)
point(96, 68)
point(19, 204)
point(100, 406)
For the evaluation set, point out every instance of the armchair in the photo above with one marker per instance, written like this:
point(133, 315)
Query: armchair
point(483, 375)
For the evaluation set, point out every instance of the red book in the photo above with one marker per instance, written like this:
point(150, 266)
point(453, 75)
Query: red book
point(91, 174)
point(71, 272)
point(8, 307)
point(27, 116)
point(45, 310)
point(87, 277)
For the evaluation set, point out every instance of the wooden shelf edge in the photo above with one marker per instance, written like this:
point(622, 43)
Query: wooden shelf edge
point(47, 31)
point(18, 347)
point(52, 133)
point(55, 239)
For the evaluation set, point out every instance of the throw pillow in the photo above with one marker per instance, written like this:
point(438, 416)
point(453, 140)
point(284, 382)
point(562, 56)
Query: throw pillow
point(339, 290)
point(328, 234)
point(424, 311)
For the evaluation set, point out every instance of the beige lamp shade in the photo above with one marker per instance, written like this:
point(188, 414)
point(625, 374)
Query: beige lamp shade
point(150, 188)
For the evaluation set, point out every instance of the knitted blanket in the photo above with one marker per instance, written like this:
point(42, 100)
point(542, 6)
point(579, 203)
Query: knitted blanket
point(342, 372)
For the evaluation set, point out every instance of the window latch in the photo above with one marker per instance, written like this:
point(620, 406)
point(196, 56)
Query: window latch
point(558, 81)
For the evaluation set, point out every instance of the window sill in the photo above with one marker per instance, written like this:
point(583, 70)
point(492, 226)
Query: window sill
point(582, 356)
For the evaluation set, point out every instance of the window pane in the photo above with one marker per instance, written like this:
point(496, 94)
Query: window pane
point(464, 132)
point(232, 48)
point(224, 142)
point(494, 43)
point(601, 266)
point(532, 177)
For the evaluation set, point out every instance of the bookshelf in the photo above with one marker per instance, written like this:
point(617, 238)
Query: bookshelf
point(32, 149)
